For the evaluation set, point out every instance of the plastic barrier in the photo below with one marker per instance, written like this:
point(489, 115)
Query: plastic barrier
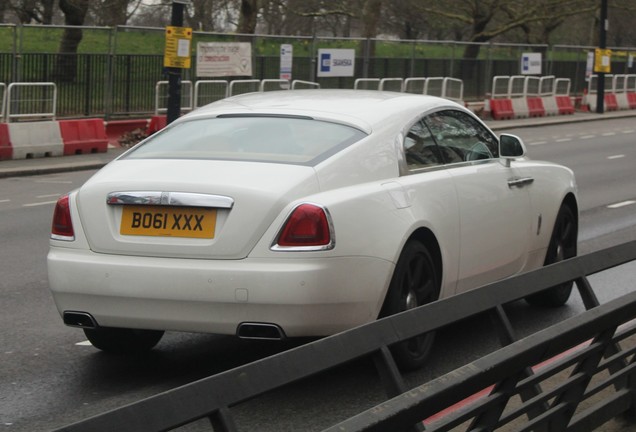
point(535, 107)
point(6, 150)
point(36, 139)
point(611, 104)
point(564, 103)
point(501, 109)
point(520, 108)
point(631, 98)
point(157, 122)
point(622, 101)
point(551, 106)
point(83, 136)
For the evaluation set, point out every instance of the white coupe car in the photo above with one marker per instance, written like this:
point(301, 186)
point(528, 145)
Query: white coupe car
point(304, 213)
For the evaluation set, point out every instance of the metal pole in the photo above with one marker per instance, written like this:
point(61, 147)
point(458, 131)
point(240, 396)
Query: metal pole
point(602, 42)
point(174, 74)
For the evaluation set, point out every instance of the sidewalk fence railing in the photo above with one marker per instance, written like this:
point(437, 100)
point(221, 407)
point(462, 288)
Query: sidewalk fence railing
point(116, 68)
point(587, 360)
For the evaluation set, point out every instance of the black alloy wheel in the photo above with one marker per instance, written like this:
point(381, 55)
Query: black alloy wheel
point(415, 282)
point(563, 245)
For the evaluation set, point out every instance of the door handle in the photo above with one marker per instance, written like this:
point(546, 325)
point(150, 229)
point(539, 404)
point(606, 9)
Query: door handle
point(519, 182)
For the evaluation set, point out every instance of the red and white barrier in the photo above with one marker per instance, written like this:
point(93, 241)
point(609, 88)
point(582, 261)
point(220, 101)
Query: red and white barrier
point(29, 140)
point(83, 136)
point(6, 149)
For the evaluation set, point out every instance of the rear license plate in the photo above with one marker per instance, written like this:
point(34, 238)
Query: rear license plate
point(162, 221)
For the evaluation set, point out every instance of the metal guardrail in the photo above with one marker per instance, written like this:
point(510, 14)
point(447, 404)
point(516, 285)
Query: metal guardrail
point(31, 100)
point(610, 354)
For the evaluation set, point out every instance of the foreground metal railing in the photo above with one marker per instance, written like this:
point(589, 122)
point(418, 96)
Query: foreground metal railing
point(599, 347)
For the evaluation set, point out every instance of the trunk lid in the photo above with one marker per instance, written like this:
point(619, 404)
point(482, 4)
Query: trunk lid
point(246, 198)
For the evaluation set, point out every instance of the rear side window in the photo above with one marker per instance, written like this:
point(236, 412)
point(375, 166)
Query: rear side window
point(290, 140)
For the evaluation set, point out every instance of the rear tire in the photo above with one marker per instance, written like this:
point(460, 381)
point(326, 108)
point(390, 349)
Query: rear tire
point(562, 246)
point(123, 340)
point(415, 282)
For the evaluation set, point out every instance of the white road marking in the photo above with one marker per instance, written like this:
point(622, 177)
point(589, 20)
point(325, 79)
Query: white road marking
point(588, 136)
point(47, 196)
point(628, 131)
point(537, 143)
point(84, 343)
point(616, 157)
point(564, 139)
point(55, 181)
point(608, 133)
point(621, 204)
point(39, 204)
point(5, 200)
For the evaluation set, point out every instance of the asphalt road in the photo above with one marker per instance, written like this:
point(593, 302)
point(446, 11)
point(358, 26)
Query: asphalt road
point(50, 376)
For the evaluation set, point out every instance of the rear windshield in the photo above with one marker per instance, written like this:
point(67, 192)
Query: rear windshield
point(264, 139)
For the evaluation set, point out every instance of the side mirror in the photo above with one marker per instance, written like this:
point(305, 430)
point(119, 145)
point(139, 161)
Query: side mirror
point(511, 147)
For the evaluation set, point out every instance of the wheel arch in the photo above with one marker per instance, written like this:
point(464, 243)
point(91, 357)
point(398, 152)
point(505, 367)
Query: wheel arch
point(428, 239)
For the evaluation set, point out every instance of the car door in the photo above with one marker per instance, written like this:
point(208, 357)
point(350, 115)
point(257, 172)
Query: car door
point(494, 207)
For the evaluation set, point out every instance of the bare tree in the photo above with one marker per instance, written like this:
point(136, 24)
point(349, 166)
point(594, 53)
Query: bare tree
point(488, 19)
point(30, 11)
point(112, 12)
point(248, 14)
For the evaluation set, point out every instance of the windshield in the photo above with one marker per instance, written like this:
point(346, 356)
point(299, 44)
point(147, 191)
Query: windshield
point(290, 140)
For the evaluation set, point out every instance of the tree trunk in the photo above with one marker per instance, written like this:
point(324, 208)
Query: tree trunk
point(247, 19)
point(371, 18)
point(47, 11)
point(66, 64)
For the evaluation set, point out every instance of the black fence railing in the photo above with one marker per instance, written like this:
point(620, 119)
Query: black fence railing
point(122, 85)
point(603, 367)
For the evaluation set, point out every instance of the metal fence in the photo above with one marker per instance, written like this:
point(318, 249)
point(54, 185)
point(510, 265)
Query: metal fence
point(592, 380)
point(117, 68)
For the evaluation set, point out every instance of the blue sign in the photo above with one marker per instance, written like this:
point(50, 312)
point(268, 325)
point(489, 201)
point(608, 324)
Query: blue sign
point(325, 62)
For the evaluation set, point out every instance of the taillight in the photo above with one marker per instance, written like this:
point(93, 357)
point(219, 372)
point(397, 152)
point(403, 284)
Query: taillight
point(62, 227)
point(307, 228)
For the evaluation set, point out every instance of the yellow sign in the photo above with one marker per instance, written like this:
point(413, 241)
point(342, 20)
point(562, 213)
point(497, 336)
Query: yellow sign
point(602, 60)
point(177, 52)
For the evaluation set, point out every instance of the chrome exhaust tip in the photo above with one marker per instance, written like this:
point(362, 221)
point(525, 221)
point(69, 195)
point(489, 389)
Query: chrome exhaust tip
point(79, 319)
point(263, 331)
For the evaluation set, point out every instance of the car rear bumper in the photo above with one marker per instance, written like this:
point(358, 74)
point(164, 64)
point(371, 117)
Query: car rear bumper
point(305, 297)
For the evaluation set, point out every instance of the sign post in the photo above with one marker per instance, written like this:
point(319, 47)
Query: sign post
point(176, 57)
point(602, 59)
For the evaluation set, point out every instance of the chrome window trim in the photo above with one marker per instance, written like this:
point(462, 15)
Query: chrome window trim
point(181, 199)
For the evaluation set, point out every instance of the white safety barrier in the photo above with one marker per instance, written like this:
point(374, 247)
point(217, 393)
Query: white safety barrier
point(300, 84)
point(161, 96)
point(366, 84)
point(517, 88)
point(244, 86)
point(414, 85)
point(3, 99)
point(37, 100)
point(392, 84)
point(521, 96)
point(274, 85)
point(35, 139)
point(208, 91)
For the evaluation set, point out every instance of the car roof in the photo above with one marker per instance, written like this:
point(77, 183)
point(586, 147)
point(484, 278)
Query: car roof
point(363, 109)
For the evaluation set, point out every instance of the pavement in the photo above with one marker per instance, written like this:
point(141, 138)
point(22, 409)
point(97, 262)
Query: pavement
point(49, 165)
